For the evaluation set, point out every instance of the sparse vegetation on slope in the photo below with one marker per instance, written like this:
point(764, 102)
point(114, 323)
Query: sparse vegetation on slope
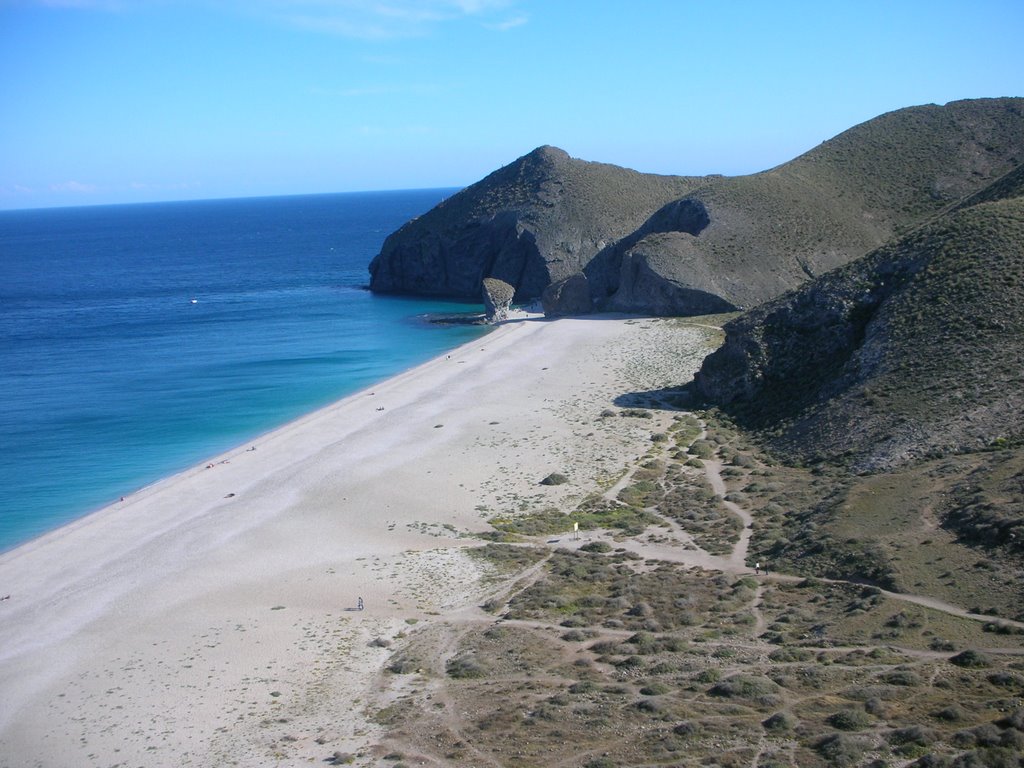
point(906, 365)
point(913, 351)
point(589, 653)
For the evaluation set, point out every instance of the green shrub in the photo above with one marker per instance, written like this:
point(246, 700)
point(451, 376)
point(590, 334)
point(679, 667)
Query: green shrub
point(702, 449)
point(952, 714)
point(786, 654)
point(636, 413)
point(744, 686)
point(985, 735)
point(576, 636)
point(687, 728)
point(464, 667)
point(841, 750)
point(1014, 720)
point(780, 721)
point(971, 659)
point(710, 675)
point(902, 677)
point(914, 734)
point(849, 720)
point(630, 662)
point(1006, 679)
point(650, 705)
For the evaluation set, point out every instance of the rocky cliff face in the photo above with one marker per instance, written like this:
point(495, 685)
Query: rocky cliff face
point(533, 222)
point(568, 297)
point(684, 245)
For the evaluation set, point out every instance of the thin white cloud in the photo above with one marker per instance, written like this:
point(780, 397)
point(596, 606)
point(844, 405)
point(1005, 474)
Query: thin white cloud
point(16, 190)
point(383, 19)
point(374, 90)
point(146, 186)
point(363, 29)
point(394, 130)
point(86, 5)
point(358, 19)
point(371, 90)
point(503, 26)
point(75, 187)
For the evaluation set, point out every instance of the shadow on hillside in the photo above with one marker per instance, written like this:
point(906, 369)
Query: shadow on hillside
point(680, 398)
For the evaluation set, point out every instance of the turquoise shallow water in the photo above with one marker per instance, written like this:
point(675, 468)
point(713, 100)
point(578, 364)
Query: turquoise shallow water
point(139, 340)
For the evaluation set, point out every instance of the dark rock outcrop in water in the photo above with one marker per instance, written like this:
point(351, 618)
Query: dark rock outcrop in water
point(913, 351)
point(672, 245)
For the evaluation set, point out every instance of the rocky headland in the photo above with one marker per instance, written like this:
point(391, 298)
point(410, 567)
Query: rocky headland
point(674, 245)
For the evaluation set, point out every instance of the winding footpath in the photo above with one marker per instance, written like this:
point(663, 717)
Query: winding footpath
point(683, 549)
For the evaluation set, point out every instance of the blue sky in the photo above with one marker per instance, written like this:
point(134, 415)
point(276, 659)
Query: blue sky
point(136, 100)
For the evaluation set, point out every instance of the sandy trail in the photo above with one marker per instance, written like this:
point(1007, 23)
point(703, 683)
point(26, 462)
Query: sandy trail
point(683, 550)
point(738, 556)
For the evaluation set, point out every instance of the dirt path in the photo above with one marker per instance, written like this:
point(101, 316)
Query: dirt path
point(737, 560)
point(669, 542)
point(686, 552)
point(755, 607)
point(944, 607)
point(713, 473)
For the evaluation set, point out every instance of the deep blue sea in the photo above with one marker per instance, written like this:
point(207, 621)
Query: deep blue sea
point(138, 340)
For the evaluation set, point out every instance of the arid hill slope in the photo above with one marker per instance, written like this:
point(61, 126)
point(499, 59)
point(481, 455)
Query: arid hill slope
point(915, 350)
point(684, 245)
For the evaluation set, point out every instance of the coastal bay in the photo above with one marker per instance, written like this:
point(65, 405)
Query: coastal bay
point(139, 340)
point(275, 493)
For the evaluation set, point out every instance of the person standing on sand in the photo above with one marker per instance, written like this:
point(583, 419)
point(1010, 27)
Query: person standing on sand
point(359, 604)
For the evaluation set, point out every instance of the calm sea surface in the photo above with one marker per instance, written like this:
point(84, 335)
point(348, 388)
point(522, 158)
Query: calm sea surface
point(138, 340)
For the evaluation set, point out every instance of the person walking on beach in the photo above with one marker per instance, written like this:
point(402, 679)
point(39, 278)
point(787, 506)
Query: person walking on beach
point(359, 604)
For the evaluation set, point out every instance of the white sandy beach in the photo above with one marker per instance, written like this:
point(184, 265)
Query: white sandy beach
point(210, 619)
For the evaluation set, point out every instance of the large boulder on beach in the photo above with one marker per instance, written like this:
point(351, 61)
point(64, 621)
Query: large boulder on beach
point(570, 296)
point(497, 296)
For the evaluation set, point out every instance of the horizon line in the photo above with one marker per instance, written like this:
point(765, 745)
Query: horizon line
point(226, 198)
